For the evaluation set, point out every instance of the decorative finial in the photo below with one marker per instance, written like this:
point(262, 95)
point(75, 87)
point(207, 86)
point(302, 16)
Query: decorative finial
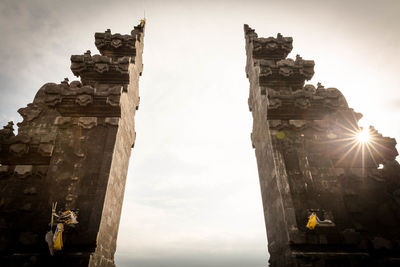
point(9, 125)
point(66, 80)
point(7, 130)
point(142, 22)
point(298, 57)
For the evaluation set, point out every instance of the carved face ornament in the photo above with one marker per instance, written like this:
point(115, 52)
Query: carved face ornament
point(116, 43)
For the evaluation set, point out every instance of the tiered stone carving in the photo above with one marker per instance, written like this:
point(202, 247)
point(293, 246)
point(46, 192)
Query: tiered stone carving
point(117, 45)
point(100, 69)
point(76, 99)
point(73, 148)
point(310, 161)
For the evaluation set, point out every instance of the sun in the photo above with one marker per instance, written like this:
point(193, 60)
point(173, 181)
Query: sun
point(363, 136)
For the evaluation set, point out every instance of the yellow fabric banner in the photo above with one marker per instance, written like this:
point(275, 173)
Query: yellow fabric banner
point(58, 243)
point(312, 221)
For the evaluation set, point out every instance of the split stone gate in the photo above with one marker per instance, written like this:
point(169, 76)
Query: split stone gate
point(74, 143)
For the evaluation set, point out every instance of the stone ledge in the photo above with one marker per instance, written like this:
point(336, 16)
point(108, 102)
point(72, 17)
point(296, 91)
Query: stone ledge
point(115, 45)
point(100, 69)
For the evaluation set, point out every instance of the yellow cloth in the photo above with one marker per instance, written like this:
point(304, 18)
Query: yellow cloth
point(312, 221)
point(58, 243)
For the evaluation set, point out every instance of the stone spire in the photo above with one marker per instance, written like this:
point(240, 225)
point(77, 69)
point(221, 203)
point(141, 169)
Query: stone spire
point(310, 161)
point(73, 148)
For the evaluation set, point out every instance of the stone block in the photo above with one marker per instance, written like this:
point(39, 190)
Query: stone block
point(28, 238)
point(84, 100)
point(61, 121)
point(381, 243)
point(113, 121)
point(41, 170)
point(351, 236)
point(26, 207)
point(87, 122)
point(23, 170)
point(46, 150)
point(30, 191)
point(19, 149)
point(4, 169)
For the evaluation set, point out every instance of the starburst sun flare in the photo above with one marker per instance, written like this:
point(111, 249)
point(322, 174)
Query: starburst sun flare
point(363, 136)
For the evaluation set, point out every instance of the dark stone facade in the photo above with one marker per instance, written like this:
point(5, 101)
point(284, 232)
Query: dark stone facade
point(73, 147)
point(309, 160)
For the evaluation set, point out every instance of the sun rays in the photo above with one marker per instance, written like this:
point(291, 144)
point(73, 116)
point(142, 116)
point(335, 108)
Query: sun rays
point(357, 144)
point(363, 136)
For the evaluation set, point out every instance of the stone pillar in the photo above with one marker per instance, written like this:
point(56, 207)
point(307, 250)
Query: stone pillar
point(73, 147)
point(310, 161)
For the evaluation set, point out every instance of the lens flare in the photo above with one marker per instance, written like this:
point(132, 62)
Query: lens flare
point(363, 136)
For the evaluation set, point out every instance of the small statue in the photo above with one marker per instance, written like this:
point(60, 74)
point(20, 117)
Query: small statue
point(7, 130)
point(63, 218)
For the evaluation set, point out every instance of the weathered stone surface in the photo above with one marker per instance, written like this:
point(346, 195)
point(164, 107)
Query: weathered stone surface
point(23, 170)
point(28, 238)
point(87, 122)
point(30, 191)
point(84, 100)
point(73, 148)
point(276, 48)
point(31, 112)
point(114, 121)
point(19, 149)
point(4, 169)
point(75, 99)
point(116, 45)
point(7, 131)
point(62, 120)
point(309, 160)
point(101, 69)
point(46, 149)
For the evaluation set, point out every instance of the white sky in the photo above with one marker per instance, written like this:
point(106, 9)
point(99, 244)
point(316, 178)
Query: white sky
point(192, 196)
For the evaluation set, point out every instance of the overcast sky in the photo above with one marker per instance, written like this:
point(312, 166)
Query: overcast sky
point(192, 196)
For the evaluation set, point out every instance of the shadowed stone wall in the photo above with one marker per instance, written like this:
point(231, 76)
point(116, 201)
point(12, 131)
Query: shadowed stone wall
point(73, 147)
point(309, 160)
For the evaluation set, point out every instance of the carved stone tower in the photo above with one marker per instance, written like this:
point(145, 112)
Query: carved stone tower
point(72, 147)
point(311, 162)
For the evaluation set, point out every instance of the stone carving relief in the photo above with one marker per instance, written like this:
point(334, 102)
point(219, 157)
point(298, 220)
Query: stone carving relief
point(87, 122)
point(31, 112)
point(286, 68)
point(56, 95)
point(305, 98)
point(7, 131)
point(84, 65)
point(278, 47)
point(116, 44)
point(64, 152)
